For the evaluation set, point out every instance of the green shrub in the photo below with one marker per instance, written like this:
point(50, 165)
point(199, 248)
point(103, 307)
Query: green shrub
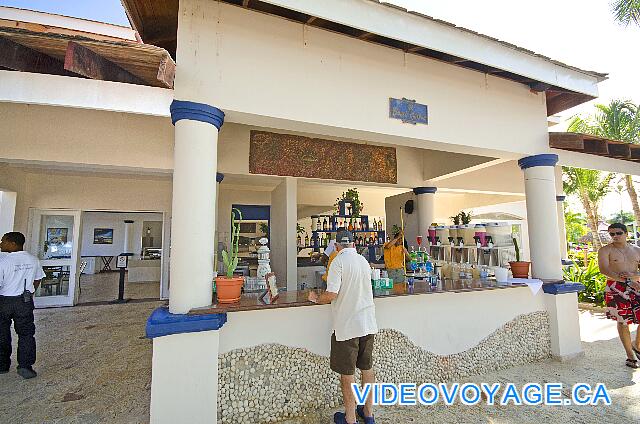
point(593, 281)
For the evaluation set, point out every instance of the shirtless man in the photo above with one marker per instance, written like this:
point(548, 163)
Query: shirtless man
point(619, 262)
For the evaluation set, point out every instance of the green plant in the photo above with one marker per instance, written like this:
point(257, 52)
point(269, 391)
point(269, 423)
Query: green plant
point(594, 282)
point(264, 228)
point(353, 196)
point(300, 229)
point(462, 218)
point(395, 230)
point(231, 260)
point(515, 244)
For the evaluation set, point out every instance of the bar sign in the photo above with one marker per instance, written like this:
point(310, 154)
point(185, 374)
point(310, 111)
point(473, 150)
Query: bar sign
point(408, 111)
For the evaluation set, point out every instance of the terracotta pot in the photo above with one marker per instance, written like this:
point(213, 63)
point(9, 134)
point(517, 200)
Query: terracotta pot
point(229, 289)
point(520, 269)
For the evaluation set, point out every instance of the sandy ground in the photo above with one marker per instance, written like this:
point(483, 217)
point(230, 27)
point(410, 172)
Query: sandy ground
point(94, 367)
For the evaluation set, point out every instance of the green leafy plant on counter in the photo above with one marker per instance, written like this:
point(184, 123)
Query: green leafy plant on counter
point(353, 196)
point(461, 218)
point(395, 230)
point(300, 229)
point(231, 259)
point(265, 229)
point(592, 279)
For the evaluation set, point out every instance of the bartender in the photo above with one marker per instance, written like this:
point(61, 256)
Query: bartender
point(331, 253)
point(395, 255)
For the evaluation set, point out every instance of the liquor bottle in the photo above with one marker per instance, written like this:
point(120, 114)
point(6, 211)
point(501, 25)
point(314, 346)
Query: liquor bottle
point(325, 225)
point(350, 228)
point(364, 225)
point(334, 223)
point(299, 240)
point(306, 240)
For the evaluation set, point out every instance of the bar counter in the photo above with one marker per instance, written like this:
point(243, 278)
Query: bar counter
point(286, 299)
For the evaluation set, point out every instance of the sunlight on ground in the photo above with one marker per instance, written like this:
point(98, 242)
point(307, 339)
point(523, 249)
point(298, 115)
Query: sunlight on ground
point(595, 326)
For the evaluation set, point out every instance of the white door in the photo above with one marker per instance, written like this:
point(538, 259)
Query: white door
point(54, 237)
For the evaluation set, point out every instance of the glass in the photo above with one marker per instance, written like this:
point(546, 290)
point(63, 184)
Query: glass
point(56, 237)
point(55, 282)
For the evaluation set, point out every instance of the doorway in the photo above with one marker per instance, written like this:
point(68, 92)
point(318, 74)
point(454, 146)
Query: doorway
point(107, 234)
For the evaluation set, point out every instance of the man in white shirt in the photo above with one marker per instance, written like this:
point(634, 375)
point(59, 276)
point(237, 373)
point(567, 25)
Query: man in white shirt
point(20, 275)
point(354, 324)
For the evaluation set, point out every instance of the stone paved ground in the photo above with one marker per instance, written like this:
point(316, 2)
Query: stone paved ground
point(94, 367)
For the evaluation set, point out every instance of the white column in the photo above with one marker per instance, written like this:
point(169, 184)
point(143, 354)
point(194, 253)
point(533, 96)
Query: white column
point(284, 216)
point(184, 384)
point(542, 215)
point(564, 325)
point(426, 208)
point(128, 229)
point(193, 205)
point(562, 228)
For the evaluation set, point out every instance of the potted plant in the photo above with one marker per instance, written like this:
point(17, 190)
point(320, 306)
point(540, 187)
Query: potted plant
point(519, 269)
point(352, 196)
point(229, 287)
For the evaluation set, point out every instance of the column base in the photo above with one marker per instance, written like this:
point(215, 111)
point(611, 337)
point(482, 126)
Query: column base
point(184, 380)
point(564, 324)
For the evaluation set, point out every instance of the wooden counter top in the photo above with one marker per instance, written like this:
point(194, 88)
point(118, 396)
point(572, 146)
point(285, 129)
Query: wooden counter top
point(251, 301)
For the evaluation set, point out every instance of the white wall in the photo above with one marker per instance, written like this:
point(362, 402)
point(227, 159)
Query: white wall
point(298, 63)
point(92, 220)
point(420, 317)
point(7, 211)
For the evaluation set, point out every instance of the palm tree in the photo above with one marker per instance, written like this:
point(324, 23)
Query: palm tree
point(626, 11)
point(575, 225)
point(622, 217)
point(619, 120)
point(591, 187)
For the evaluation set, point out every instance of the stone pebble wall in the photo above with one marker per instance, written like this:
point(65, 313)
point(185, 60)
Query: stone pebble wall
point(270, 382)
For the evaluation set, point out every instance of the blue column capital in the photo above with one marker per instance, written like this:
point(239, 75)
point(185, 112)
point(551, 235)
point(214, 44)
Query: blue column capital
point(161, 322)
point(219, 177)
point(547, 159)
point(425, 190)
point(561, 198)
point(181, 109)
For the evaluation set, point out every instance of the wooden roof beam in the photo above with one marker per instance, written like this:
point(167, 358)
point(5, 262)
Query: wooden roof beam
point(17, 57)
point(81, 60)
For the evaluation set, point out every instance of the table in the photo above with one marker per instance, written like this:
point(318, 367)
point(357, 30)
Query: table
point(106, 262)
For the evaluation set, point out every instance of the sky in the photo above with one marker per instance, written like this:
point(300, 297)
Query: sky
point(580, 33)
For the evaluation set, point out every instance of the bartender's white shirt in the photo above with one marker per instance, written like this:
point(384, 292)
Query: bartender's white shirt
point(354, 314)
point(15, 267)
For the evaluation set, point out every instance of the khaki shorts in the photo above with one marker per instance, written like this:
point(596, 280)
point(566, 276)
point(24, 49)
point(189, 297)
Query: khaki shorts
point(349, 354)
point(397, 275)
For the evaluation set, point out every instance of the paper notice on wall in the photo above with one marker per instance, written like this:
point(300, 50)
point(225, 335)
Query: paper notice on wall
point(534, 284)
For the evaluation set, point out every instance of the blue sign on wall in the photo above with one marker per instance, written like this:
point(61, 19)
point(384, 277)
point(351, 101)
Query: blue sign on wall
point(408, 111)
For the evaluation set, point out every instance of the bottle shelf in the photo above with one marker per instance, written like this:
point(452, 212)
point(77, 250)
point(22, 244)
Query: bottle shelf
point(353, 231)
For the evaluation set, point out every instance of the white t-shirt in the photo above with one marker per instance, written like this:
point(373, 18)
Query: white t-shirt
point(354, 314)
point(15, 268)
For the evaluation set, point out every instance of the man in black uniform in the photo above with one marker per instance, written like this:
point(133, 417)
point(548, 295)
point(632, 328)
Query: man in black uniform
point(20, 275)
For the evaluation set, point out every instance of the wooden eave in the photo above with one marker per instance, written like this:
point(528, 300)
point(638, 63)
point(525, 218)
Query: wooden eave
point(71, 55)
point(590, 144)
point(157, 23)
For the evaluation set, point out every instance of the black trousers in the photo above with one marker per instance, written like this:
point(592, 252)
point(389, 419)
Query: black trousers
point(21, 313)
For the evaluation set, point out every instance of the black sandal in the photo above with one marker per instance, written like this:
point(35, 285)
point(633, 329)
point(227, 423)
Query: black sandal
point(631, 363)
point(636, 351)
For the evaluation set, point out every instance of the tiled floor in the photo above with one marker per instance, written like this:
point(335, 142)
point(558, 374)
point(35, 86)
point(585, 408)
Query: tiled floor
point(103, 287)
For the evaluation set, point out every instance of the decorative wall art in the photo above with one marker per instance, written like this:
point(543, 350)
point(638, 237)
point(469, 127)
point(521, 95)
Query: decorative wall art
point(103, 236)
point(299, 156)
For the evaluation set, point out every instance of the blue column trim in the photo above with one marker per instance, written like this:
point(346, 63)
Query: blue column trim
point(425, 190)
point(181, 109)
point(161, 322)
point(219, 177)
point(547, 159)
point(560, 198)
point(562, 288)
